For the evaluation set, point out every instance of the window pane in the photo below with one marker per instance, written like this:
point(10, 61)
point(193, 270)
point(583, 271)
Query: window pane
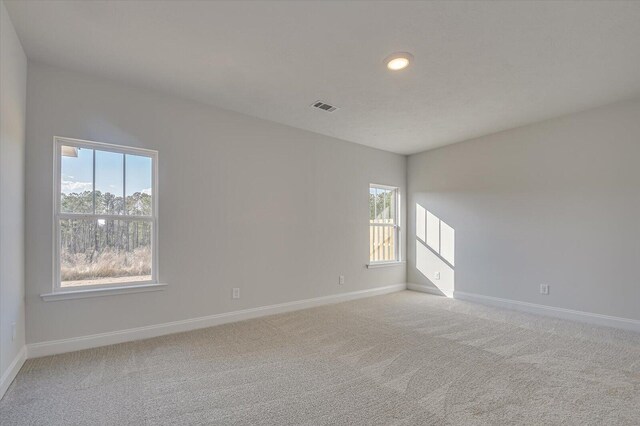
point(380, 204)
point(382, 245)
point(109, 181)
point(382, 215)
point(392, 207)
point(95, 252)
point(372, 204)
point(139, 185)
point(386, 206)
point(380, 210)
point(76, 180)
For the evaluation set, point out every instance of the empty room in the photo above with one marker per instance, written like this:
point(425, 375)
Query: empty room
point(319, 212)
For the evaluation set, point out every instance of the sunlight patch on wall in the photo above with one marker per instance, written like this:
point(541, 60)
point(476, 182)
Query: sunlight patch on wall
point(435, 250)
point(421, 231)
point(447, 243)
point(429, 264)
point(433, 231)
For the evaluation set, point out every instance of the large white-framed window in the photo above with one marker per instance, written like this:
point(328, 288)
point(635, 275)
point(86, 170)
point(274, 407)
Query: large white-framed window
point(105, 216)
point(384, 224)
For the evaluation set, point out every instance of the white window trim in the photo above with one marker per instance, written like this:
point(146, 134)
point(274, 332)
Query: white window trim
point(104, 291)
point(385, 264)
point(397, 226)
point(59, 292)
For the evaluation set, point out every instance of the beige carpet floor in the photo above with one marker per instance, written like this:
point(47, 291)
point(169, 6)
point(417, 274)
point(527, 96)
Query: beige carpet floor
point(401, 359)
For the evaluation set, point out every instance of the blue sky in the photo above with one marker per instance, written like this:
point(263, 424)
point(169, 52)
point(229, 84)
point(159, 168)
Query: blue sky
point(77, 172)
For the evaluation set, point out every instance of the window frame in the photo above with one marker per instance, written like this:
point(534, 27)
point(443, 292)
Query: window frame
point(396, 225)
point(58, 142)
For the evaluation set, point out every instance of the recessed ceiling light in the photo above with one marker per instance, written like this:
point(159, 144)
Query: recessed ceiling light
point(398, 61)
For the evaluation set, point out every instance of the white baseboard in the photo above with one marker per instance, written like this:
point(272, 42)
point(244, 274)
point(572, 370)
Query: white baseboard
point(35, 350)
point(569, 314)
point(12, 371)
point(424, 289)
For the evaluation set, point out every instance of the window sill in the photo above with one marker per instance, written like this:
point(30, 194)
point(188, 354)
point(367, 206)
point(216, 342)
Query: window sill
point(96, 292)
point(384, 264)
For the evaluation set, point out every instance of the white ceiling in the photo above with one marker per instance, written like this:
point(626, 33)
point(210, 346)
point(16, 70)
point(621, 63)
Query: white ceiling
point(480, 67)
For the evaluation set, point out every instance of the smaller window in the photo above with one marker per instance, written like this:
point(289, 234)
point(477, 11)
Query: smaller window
point(384, 227)
point(105, 215)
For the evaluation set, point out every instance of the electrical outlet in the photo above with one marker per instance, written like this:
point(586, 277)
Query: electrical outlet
point(13, 331)
point(236, 293)
point(544, 288)
point(341, 280)
point(437, 275)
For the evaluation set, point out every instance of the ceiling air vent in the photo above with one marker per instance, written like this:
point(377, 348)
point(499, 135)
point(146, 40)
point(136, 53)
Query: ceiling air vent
point(324, 106)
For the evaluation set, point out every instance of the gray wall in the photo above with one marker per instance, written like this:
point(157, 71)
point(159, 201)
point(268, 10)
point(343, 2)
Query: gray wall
point(276, 211)
point(556, 202)
point(13, 85)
